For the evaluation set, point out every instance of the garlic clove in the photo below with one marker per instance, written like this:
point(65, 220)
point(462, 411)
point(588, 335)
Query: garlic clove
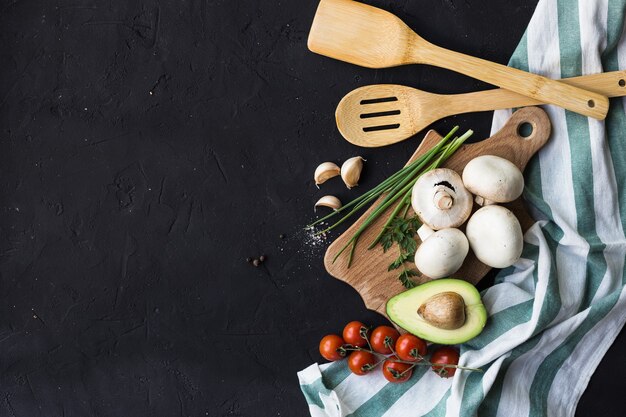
point(325, 171)
point(329, 201)
point(351, 171)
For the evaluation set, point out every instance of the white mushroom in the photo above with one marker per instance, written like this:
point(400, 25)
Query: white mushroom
point(493, 180)
point(442, 253)
point(495, 236)
point(440, 200)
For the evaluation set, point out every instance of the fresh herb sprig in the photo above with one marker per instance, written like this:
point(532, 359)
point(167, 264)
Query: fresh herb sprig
point(402, 230)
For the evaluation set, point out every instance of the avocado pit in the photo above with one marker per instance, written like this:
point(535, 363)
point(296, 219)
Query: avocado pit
point(445, 310)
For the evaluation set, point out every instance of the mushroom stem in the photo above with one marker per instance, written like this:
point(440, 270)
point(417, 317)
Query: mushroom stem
point(424, 232)
point(443, 200)
point(482, 201)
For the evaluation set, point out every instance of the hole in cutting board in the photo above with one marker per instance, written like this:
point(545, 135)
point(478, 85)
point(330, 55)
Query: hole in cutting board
point(383, 127)
point(525, 130)
point(622, 83)
point(378, 100)
point(379, 114)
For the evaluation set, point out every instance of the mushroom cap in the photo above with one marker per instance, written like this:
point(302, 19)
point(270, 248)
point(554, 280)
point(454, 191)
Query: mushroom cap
point(442, 253)
point(495, 236)
point(493, 178)
point(440, 199)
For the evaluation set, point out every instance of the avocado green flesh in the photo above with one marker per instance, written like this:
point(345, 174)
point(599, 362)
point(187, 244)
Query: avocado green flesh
point(402, 310)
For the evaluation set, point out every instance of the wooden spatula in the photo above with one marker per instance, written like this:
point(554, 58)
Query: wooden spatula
point(371, 37)
point(383, 114)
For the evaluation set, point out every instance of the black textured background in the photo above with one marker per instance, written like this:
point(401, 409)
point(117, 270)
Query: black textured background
point(147, 148)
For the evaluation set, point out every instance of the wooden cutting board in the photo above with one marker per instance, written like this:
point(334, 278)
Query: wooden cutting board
point(368, 273)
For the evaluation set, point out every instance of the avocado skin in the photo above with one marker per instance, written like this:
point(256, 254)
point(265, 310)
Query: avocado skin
point(402, 310)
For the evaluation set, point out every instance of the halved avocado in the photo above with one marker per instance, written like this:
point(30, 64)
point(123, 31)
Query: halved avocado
point(403, 310)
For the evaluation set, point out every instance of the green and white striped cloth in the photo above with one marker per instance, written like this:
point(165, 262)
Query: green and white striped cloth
point(555, 313)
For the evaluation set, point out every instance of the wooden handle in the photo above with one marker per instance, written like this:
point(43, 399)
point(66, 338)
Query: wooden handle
point(535, 86)
point(610, 84)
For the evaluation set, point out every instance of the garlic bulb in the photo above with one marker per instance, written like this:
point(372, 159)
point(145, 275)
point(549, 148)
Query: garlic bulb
point(325, 171)
point(329, 201)
point(351, 171)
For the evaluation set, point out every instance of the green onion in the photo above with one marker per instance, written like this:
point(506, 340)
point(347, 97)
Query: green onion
point(396, 187)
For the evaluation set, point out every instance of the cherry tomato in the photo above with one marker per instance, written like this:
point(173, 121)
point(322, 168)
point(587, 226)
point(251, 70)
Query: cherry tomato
point(361, 362)
point(378, 336)
point(445, 355)
point(396, 371)
point(352, 333)
point(409, 346)
point(329, 347)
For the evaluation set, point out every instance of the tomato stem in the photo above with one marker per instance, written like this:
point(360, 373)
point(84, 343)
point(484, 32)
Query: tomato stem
point(406, 370)
point(422, 362)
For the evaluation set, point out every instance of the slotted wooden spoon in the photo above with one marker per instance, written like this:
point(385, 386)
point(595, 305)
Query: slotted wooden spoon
point(383, 114)
point(372, 37)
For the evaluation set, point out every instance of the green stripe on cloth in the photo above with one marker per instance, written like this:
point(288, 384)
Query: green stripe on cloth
point(552, 300)
point(473, 394)
point(617, 147)
point(336, 373)
point(312, 392)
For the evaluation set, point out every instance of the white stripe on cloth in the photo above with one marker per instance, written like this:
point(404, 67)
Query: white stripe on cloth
point(509, 293)
point(368, 385)
point(430, 386)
